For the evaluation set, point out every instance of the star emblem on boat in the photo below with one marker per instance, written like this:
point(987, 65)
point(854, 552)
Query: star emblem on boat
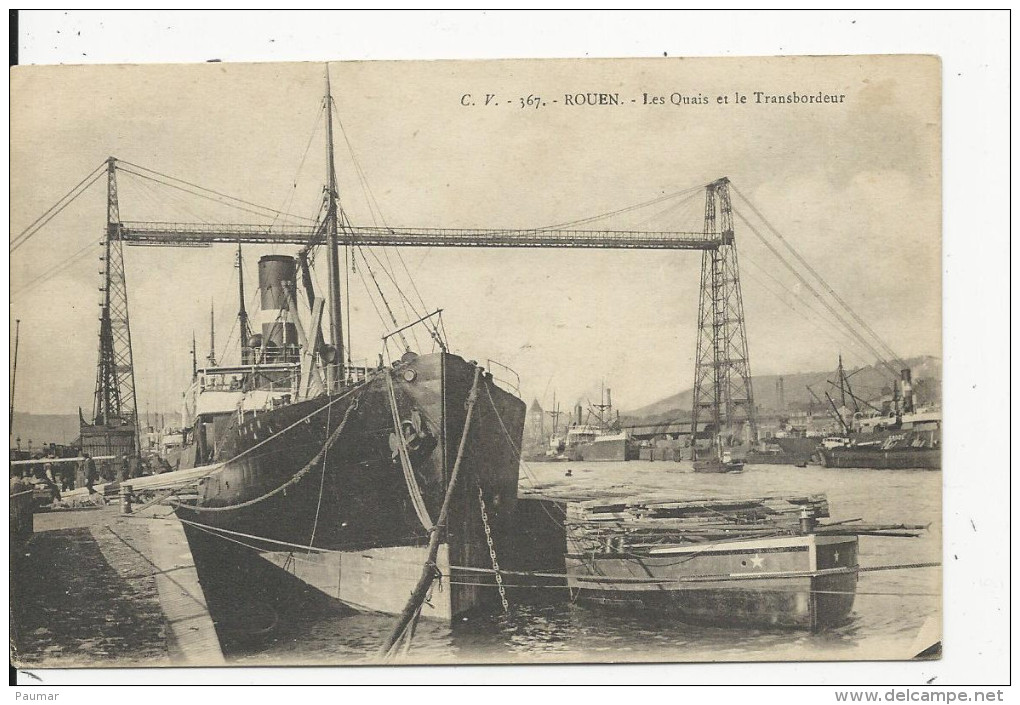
point(835, 556)
point(757, 561)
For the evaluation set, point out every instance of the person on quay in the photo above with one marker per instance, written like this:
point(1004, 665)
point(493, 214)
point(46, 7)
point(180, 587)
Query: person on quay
point(91, 473)
point(50, 479)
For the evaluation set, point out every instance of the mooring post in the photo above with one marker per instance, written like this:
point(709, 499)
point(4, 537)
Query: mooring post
point(125, 499)
point(807, 520)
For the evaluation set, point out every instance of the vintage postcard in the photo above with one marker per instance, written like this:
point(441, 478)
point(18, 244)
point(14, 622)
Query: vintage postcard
point(453, 362)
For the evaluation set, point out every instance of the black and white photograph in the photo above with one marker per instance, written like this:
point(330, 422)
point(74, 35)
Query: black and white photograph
point(495, 361)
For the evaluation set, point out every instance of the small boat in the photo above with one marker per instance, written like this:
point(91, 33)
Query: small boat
point(719, 463)
point(761, 562)
point(799, 582)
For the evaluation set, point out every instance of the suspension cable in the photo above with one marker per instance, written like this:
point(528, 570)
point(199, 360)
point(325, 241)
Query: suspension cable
point(850, 328)
point(889, 351)
point(26, 234)
point(58, 268)
point(797, 303)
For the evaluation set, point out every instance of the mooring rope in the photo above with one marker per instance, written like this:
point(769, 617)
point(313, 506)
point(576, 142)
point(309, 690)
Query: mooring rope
point(429, 570)
point(218, 467)
point(588, 578)
point(214, 531)
point(297, 477)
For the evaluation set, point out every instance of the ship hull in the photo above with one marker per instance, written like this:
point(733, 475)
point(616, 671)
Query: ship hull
point(904, 449)
point(898, 459)
point(280, 493)
point(615, 450)
point(784, 451)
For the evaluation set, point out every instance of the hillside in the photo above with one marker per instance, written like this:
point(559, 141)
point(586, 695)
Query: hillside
point(48, 428)
point(44, 428)
point(868, 383)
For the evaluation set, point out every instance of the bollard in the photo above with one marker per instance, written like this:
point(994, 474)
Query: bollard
point(125, 499)
point(807, 520)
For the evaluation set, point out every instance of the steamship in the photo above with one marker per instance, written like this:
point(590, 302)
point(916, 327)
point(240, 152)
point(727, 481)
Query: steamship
point(599, 438)
point(335, 472)
point(898, 436)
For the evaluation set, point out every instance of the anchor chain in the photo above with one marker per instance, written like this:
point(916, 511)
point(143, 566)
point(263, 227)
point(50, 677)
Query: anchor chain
point(492, 552)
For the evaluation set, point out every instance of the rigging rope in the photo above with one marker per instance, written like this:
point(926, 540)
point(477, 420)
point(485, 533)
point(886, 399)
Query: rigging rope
point(203, 188)
point(322, 485)
point(289, 201)
point(429, 570)
point(403, 299)
point(297, 477)
point(382, 296)
point(207, 197)
point(374, 208)
point(226, 535)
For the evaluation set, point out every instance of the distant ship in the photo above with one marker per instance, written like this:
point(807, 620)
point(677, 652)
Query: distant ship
point(911, 441)
point(599, 437)
point(898, 436)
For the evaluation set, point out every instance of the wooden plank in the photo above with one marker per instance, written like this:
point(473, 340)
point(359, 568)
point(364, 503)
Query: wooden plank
point(163, 481)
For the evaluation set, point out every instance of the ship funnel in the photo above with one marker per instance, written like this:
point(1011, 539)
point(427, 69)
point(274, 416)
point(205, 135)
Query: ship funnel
point(277, 277)
point(577, 413)
point(609, 398)
point(907, 391)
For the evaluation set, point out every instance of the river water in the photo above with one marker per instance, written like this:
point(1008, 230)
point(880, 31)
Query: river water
point(895, 615)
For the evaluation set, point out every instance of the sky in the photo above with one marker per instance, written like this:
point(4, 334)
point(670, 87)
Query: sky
point(854, 187)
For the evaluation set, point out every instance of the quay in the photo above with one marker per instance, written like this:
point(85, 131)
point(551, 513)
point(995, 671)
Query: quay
point(93, 588)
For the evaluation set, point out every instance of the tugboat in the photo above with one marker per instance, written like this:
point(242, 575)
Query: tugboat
point(720, 461)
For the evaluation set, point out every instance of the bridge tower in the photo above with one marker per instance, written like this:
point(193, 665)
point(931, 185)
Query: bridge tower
point(722, 377)
point(114, 429)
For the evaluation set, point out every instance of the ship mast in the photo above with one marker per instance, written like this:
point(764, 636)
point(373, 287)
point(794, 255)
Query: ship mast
point(334, 368)
point(212, 335)
point(242, 314)
point(14, 374)
point(555, 413)
point(194, 357)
